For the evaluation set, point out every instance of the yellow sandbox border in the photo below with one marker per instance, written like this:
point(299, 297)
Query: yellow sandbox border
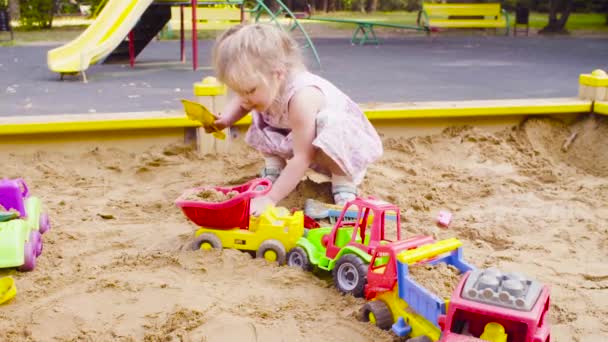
point(27, 125)
point(600, 107)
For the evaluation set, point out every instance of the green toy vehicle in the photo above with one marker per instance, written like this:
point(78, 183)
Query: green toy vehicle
point(22, 224)
point(346, 249)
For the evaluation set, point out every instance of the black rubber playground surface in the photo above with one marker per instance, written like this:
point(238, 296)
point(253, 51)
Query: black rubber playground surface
point(413, 68)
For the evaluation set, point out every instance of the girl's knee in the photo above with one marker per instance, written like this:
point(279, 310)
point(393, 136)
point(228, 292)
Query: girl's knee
point(325, 162)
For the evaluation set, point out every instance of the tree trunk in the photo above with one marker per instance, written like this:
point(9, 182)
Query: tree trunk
point(372, 6)
point(13, 9)
point(557, 25)
point(325, 6)
point(332, 5)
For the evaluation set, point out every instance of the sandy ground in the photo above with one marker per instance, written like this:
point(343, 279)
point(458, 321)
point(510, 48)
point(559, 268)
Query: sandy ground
point(519, 203)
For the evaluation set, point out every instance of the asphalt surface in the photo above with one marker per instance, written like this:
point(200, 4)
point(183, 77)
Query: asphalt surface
point(413, 68)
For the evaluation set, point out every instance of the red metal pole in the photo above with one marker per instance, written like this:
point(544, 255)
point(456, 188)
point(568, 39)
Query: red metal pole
point(182, 53)
point(194, 37)
point(242, 12)
point(131, 49)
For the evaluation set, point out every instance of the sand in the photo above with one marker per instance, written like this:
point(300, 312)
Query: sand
point(440, 279)
point(210, 196)
point(116, 265)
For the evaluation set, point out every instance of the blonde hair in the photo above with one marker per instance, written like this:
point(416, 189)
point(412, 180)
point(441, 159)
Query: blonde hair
point(246, 55)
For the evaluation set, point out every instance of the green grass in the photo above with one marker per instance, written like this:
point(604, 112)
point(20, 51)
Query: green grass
point(68, 28)
point(55, 34)
point(577, 21)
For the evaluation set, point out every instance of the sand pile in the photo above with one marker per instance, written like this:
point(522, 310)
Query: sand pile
point(440, 279)
point(210, 195)
point(116, 265)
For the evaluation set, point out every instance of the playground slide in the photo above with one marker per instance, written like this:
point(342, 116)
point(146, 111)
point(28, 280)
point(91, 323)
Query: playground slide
point(107, 31)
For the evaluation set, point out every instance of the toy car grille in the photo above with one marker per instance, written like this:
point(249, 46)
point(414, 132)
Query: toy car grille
point(509, 290)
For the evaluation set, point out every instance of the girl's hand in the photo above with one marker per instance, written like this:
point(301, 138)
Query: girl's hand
point(218, 124)
point(221, 123)
point(259, 204)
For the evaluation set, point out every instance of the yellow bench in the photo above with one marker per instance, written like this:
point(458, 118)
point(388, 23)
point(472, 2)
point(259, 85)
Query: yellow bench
point(215, 17)
point(487, 15)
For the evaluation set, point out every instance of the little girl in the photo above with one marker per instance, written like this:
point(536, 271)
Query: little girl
point(300, 120)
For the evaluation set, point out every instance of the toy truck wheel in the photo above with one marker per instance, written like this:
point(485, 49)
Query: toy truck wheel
point(36, 239)
point(29, 254)
point(272, 250)
point(297, 257)
point(420, 339)
point(377, 313)
point(206, 241)
point(350, 275)
point(44, 223)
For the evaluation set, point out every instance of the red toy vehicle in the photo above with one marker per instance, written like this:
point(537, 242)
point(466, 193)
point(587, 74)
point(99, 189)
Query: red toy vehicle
point(493, 306)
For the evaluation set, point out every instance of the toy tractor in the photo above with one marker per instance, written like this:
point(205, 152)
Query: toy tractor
point(347, 247)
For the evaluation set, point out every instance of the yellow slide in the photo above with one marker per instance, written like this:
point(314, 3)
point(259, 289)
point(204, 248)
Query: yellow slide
point(110, 28)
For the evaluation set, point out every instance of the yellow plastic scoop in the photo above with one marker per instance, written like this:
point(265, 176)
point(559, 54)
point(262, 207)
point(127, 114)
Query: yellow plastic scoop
point(197, 112)
point(8, 289)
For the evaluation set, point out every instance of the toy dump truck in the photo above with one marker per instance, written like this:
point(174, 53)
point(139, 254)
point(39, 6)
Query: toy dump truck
point(228, 224)
point(401, 303)
point(346, 248)
point(22, 223)
point(480, 307)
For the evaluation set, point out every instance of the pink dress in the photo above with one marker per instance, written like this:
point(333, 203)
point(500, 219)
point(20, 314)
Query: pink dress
point(343, 131)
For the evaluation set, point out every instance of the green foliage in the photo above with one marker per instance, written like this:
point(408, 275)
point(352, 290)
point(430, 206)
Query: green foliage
point(36, 14)
point(97, 6)
point(63, 7)
point(3, 4)
point(392, 5)
point(578, 6)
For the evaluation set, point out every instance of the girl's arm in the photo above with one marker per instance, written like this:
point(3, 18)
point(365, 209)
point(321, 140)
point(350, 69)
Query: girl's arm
point(233, 112)
point(303, 109)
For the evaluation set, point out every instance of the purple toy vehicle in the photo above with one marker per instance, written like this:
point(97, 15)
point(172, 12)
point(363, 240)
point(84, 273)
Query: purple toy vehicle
point(22, 224)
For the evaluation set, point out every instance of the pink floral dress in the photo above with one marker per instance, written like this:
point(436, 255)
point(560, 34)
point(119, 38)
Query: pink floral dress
point(343, 132)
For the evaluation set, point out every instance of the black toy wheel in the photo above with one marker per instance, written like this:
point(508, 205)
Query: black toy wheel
point(206, 241)
point(350, 275)
point(297, 257)
point(378, 313)
point(272, 250)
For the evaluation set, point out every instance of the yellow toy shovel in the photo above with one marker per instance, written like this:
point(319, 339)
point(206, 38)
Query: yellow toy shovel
point(197, 112)
point(8, 290)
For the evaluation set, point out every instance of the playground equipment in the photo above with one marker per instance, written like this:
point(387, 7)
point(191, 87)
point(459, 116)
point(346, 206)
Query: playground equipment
point(139, 21)
point(471, 15)
point(99, 39)
point(228, 224)
point(346, 248)
point(486, 304)
point(21, 226)
point(277, 17)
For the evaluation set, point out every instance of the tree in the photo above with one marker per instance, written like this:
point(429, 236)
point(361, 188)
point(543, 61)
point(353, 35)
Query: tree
point(13, 9)
point(557, 24)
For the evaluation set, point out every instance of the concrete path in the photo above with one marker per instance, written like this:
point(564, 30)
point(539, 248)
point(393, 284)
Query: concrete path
point(414, 68)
